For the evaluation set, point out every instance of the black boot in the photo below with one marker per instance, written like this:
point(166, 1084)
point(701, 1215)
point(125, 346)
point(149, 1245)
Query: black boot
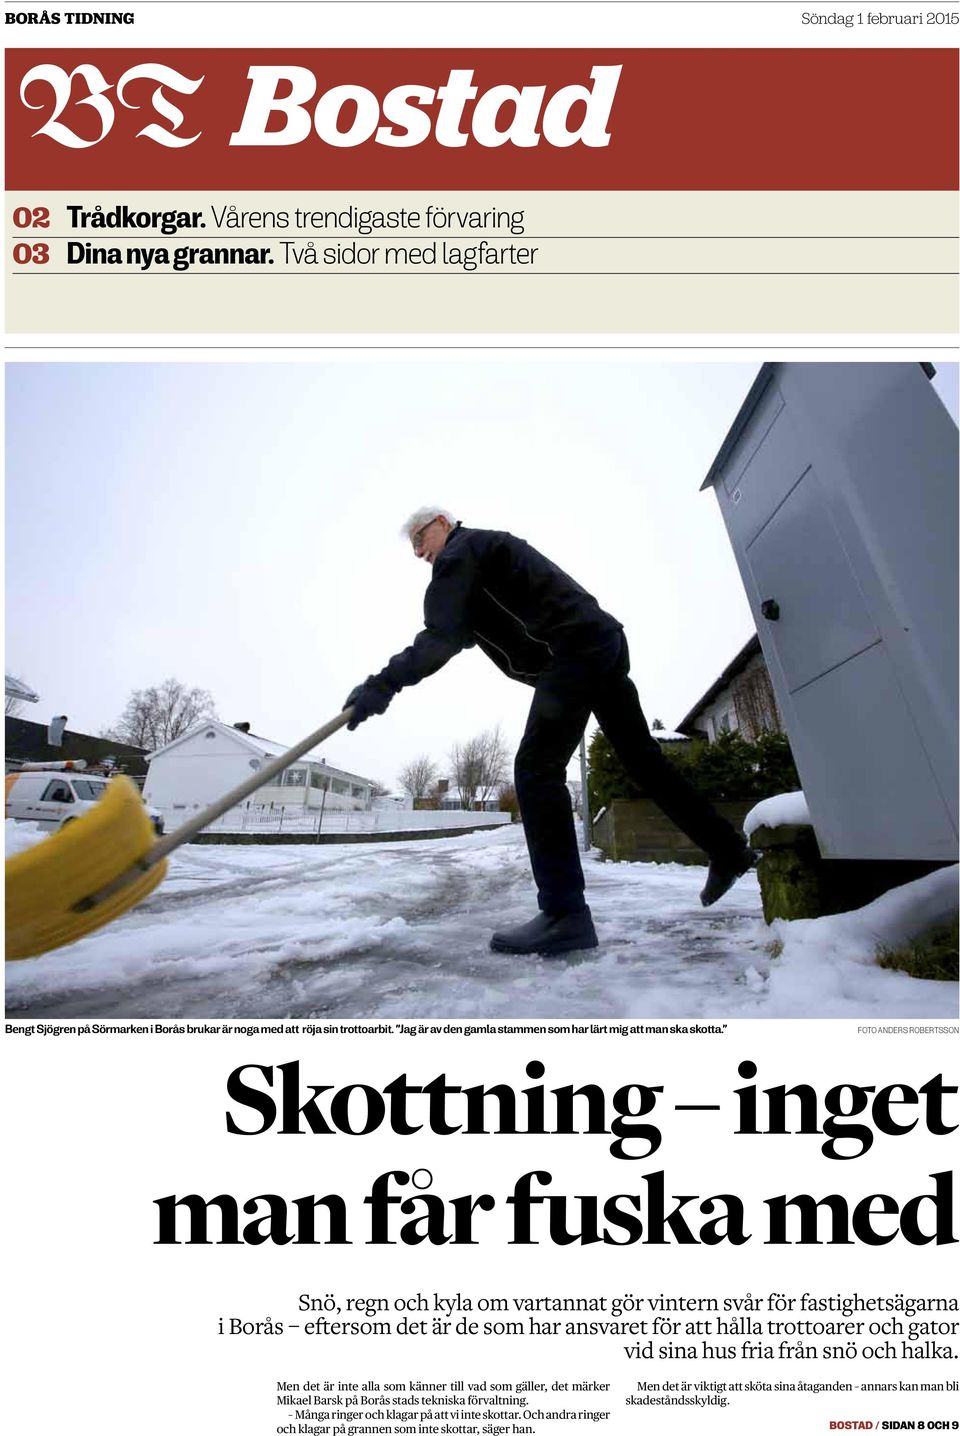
point(723, 873)
point(548, 936)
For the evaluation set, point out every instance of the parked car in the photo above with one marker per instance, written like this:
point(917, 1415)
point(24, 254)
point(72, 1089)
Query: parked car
point(53, 795)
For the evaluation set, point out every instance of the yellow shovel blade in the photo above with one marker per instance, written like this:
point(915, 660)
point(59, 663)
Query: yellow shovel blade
point(45, 881)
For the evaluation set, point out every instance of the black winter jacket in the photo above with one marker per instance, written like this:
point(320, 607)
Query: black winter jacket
point(493, 590)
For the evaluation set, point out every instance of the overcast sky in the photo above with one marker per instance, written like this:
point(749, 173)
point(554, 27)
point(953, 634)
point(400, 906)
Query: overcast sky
point(236, 526)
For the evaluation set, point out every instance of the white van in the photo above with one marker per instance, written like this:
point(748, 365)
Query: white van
point(53, 796)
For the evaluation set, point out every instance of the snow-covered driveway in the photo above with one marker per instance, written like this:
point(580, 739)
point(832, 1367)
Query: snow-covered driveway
point(402, 930)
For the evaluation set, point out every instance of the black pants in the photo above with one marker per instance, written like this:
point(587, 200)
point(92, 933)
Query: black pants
point(565, 696)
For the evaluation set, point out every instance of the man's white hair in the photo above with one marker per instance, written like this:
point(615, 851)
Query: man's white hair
point(424, 516)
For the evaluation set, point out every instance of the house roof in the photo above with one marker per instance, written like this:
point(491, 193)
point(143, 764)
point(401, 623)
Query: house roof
point(263, 747)
point(749, 650)
point(245, 740)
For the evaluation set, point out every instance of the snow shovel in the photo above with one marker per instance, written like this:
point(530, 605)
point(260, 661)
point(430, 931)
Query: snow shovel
point(102, 864)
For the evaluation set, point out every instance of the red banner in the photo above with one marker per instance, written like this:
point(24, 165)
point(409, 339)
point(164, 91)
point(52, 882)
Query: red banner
point(482, 119)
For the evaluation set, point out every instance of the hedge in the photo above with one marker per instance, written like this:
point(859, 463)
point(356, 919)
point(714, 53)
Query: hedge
point(731, 769)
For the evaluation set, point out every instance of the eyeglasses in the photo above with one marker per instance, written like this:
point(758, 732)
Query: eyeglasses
point(417, 538)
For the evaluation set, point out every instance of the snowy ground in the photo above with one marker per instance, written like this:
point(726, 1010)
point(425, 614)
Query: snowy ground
point(402, 930)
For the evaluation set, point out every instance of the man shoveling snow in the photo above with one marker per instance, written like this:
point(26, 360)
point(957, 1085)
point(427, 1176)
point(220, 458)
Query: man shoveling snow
point(540, 627)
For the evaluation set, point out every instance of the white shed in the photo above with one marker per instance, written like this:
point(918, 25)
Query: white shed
point(213, 757)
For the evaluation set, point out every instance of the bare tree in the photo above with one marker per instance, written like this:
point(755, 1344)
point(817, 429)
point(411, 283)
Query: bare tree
point(418, 777)
point(509, 802)
point(156, 716)
point(479, 767)
point(378, 789)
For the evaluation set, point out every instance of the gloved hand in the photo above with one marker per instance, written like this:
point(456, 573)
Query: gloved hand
point(368, 698)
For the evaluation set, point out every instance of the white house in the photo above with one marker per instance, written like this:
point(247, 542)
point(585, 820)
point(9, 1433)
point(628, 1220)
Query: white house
point(450, 798)
point(213, 757)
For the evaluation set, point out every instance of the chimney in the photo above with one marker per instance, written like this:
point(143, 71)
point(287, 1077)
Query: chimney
point(243, 727)
point(55, 730)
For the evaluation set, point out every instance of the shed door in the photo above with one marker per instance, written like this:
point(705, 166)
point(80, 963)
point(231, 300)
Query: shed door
point(798, 561)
